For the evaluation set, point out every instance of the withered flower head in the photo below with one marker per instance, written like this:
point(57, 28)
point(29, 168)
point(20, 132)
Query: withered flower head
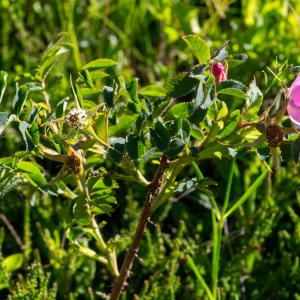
point(76, 118)
point(274, 135)
point(73, 163)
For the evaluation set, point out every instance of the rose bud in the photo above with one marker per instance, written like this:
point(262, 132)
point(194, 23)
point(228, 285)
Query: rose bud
point(293, 107)
point(219, 71)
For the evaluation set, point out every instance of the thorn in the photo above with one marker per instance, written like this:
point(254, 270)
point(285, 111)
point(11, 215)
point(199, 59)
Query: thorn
point(141, 261)
point(152, 223)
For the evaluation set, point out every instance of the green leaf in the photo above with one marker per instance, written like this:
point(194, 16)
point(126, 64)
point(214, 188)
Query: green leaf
point(103, 184)
point(79, 95)
point(132, 88)
point(197, 114)
point(175, 148)
point(87, 78)
point(37, 180)
point(13, 262)
point(222, 110)
point(33, 114)
point(159, 108)
point(80, 209)
point(108, 94)
point(98, 74)
point(28, 167)
point(19, 99)
point(232, 87)
point(196, 133)
point(254, 98)
point(100, 63)
point(85, 92)
point(5, 119)
point(180, 110)
point(210, 97)
point(199, 47)
point(200, 94)
point(24, 126)
point(160, 136)
point(61, 107)
point(100, 126)
point(181, 85)
point(231, 125)
point(134, 147)
point(153, 91)
point(185, 129)
point(117, 150)
point(124, 123)
point(3, 83)
point(34, 133)
point(102, 195)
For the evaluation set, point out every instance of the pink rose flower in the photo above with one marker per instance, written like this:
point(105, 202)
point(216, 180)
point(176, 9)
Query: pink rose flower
point(218, 70)
point(293, 107)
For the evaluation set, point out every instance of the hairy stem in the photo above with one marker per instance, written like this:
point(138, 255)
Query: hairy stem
point(154, 190)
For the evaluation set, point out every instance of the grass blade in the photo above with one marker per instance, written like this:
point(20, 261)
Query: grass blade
point(247, 194)
point(193, 267)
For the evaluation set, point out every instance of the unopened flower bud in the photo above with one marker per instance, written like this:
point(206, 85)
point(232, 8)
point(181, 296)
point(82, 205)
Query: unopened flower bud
point(219, 71)
point(76, 118)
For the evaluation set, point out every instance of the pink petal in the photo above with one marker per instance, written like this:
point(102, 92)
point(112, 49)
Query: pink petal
point(295, 93)
point(219, 72)
point(295, 82)
point(294, 112)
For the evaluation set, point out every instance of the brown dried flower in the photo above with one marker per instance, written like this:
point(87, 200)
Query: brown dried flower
point(274, 135)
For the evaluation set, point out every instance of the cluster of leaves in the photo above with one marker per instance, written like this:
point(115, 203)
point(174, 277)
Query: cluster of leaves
point(80, 188)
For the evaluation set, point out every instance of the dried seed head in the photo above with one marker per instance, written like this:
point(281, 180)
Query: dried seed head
point(274, 135)
point(73, 163)
point(76, 118)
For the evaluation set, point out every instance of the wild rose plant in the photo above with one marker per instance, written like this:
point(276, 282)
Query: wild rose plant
point(110, 133)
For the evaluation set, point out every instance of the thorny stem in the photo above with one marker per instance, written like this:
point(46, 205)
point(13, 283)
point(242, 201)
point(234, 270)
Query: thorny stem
point(154, 190)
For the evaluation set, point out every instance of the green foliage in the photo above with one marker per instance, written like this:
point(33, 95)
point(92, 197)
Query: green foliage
point(34, 286)
point(199, 47)
point(96, 98)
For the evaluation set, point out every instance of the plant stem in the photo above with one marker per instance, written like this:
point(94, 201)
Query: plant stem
point(197, 170)
point(154, 190)
point(109, 253)
point(218, 232)
point(192, 265)
point(217, 238)
point(228, 188)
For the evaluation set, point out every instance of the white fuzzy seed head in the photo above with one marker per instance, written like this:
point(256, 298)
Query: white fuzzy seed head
point(76, 118)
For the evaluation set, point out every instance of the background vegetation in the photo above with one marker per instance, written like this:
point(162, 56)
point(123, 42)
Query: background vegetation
point(260, 248)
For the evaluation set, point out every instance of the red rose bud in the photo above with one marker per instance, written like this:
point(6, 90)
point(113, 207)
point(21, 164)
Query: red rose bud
point(218, 70)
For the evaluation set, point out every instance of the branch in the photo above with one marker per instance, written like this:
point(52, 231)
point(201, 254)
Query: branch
point(12, 230)
point(154, 190)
